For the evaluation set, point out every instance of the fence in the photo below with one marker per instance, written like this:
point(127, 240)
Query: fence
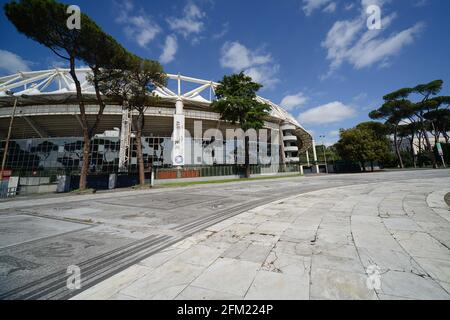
point(53, 156)
point(222, 170)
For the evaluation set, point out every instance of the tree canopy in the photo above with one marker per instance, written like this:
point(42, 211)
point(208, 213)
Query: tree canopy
point(363, 143)
point(45, 21)
point(237, 102)
point(427, 114)
point(132, 86)
point(133, 82)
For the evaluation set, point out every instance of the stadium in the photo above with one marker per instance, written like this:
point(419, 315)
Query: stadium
point(46, 129)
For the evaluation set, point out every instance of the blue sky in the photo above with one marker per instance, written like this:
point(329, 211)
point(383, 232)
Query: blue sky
point(317, 58)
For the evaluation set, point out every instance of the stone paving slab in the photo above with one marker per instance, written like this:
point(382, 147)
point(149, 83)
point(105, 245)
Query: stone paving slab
point(110, 289)
point(19, 228)
point(278, 286)
point(329, 284)
point(196, 293)
point(374, 241)
point(412, 286)
point(229, 276)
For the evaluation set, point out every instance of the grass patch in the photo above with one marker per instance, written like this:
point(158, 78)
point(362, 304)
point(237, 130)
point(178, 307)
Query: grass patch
point(86, 191)
point(139, 187)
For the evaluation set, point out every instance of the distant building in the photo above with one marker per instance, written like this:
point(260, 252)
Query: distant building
point(406, 144)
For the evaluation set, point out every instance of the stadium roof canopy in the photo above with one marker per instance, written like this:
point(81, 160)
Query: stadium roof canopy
point(56, 86)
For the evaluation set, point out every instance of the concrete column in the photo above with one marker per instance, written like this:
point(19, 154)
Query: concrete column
point(282, 153)
point(315, 156)
point(179, 106)
point(178, 136)
point(307, 158)
point(125, 133)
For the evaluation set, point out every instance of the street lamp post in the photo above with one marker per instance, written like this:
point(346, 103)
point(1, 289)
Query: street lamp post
point(5, 152)
point(324, 153)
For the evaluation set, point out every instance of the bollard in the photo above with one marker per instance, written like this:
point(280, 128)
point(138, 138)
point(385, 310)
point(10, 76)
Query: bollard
point(152, 179)
point(112, 181)
point(63, 183)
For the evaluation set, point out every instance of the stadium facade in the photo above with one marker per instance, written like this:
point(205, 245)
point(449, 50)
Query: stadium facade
point(46, 132)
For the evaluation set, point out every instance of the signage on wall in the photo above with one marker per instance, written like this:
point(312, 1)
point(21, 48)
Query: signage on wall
point(6, 173)
point(178, 140)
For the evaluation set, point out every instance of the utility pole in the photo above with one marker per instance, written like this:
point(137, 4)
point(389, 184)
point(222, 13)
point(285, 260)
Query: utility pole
point(5, 152)
point(324, 153)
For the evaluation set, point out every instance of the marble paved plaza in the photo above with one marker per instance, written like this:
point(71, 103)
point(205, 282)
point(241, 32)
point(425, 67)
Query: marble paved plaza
point(381, 240)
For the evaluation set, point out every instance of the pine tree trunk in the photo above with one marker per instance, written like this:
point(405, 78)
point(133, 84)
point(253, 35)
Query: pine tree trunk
point(430, 148)
point(413, 155)
point(247, 157)
point(85, 128)
point(397, 149)
point(140, 158)
point(85, 165)
point(100, 101)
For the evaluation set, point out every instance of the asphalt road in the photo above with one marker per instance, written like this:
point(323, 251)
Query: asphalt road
point(107, 232)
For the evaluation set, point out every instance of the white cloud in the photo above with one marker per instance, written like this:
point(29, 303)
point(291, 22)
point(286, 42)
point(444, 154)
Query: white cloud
point(293, 101)
point(330, 8)
point(259, 66)
point(334, 133)
point(237, 57)
point(380, 3)
point(332, 112)
point(350, 41)
point(309, 6)
point(223, 32)
point(12, 63)
point(138, 27)
point(265, 75)
point(52, 63)
point(367, 53)
point(169, 50)
point(190, 23)
point(420, 3)
point(349, 6)
point(361, 96)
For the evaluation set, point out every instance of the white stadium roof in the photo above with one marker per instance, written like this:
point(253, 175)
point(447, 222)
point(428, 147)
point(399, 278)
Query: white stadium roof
point(56, 85)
